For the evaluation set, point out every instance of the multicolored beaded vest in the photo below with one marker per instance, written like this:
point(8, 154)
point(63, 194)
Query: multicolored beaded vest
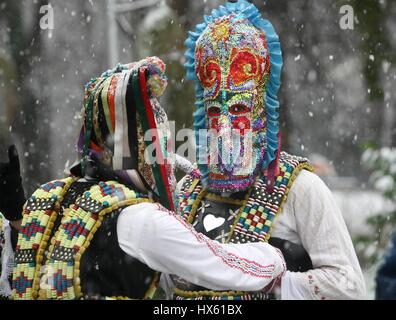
point(60, 251)
point(248, 217)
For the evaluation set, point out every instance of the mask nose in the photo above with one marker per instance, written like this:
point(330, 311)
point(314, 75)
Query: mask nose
point(224, 126)
point(226, 143)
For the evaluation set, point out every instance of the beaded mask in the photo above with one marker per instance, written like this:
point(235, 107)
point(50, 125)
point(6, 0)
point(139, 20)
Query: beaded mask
point(127, 131)
point(235, 59)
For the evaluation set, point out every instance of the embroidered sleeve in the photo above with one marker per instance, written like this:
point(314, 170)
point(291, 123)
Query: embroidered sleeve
point(166, 243)
point(230, 259)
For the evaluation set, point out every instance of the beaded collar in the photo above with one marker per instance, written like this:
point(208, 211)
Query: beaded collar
point(258, 209)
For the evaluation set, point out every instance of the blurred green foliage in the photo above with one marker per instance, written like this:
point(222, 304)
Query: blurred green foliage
point(382, 164)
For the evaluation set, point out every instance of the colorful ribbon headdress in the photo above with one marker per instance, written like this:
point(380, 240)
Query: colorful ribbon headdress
point(120, 111)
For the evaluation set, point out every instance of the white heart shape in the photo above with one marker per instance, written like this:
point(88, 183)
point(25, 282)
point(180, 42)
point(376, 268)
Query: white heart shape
point(210, 222)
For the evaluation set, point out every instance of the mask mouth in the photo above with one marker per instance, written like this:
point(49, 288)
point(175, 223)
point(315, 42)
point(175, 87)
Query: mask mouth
point(242, 164)
point(230, 184)
point(228, 176)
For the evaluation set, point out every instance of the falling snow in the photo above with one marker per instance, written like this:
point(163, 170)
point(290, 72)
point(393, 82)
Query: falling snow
point(331, 110)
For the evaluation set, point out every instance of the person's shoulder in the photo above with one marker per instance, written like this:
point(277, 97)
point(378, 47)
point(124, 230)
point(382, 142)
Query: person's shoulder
point(308, 189)
point(308, 182)
point(310, 198)
point(135, 214)
point(139, 207)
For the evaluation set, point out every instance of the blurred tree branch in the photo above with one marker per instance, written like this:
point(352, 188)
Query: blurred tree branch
point(181, 7)
point(372, 18)
point(7, 116)
point(376, 49)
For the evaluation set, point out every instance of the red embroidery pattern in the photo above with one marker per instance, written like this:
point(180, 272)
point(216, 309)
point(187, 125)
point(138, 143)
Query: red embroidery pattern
point(315, 287)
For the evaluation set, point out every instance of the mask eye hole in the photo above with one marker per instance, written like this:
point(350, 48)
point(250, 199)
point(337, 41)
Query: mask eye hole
point(238, 109)
point(213, 111)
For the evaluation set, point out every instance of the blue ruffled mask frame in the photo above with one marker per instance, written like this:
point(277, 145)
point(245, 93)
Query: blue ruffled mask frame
point(248, 11)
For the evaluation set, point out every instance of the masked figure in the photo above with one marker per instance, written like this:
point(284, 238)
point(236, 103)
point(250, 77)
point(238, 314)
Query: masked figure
point(67, 245)
point(107, 229)
point(249, 191)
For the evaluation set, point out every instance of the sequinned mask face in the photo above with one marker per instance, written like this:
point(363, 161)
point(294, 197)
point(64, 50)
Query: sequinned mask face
point(232, 64)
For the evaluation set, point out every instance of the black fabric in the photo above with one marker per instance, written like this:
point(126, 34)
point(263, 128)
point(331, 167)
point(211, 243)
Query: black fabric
point(102, 172)
point(296, 257)
point(12, 196)
point(106, 270)
point(218, 210)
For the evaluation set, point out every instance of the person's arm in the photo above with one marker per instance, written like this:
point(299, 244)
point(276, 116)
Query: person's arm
point(167, 244)
point(12, 196)
point(323, 233)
